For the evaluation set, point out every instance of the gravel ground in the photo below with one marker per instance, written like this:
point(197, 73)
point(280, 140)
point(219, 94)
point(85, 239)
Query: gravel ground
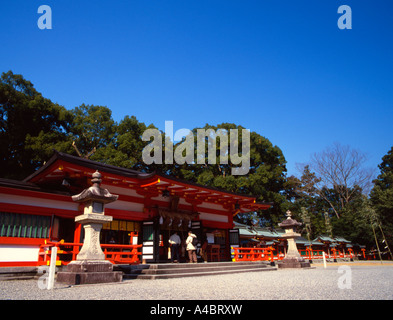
point(373, 282)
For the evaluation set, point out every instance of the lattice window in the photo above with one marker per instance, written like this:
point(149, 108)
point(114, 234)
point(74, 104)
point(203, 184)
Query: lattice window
point(24, 225)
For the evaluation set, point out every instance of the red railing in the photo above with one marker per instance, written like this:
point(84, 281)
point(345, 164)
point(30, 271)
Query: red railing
point(253, 254)
point(66, 252)
point(122, 254)
point(334, 254)
point(266, 254)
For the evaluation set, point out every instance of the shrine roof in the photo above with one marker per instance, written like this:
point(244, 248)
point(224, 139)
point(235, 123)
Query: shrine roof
point(64, 166)
point(16, 184)
point(90, 164)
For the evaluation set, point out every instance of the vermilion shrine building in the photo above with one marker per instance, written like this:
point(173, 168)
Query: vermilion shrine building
point(40, 209)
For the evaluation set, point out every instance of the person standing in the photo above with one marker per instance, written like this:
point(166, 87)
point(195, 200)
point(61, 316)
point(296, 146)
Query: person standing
point(203, 251)
point(191, 247)
point(174, 242)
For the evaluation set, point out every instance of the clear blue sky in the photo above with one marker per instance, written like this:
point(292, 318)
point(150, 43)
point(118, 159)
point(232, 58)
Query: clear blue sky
point(280, 68)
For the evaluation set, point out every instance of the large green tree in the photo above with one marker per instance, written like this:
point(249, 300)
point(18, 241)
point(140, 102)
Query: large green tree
point(305, 202)
point(265, 178)
point(92, 128)
point(382, 195)
point(31, 126)
point(125, 149)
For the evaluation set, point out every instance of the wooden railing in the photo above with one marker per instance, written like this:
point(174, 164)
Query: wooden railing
point(66, 252)
point(253, 254)
point(334, 254)
point(267, 254)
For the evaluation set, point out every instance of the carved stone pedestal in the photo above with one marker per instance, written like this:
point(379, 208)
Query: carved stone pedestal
point(90, 265)
point(92, 224)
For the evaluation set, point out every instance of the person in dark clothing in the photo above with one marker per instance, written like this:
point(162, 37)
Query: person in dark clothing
point(174, 242)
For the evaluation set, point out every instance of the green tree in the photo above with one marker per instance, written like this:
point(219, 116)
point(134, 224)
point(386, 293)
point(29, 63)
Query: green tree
point(125, 149)
point(382, 195)
point(31, 126)
point(92, 128)
point(323, 204)
point(342, 169)
point(265, 179)
point(303, 196)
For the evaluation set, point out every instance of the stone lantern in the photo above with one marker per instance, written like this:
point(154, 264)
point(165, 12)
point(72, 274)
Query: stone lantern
point(292, 258)
point(90, 265)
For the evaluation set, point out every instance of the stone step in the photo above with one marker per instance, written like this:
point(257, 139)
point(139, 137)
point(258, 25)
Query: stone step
point(167, 271)
point(188, 270)
point(18, 273)
point(193, 274)
point(128, 268)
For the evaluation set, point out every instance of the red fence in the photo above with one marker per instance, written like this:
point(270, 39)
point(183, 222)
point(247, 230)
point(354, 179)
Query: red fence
point(334, 254)
point(66, 252)
point(129, 254)
point(253, 254)
point(267, 254)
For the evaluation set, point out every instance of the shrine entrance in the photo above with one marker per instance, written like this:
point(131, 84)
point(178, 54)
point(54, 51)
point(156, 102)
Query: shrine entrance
point(164, 247)
point(181, 222)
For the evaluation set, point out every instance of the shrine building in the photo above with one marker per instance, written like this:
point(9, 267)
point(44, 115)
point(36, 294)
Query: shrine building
point(150, 206)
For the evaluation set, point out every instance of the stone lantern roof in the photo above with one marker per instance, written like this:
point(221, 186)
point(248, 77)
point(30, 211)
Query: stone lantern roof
point(95, 192)
point(289, 222)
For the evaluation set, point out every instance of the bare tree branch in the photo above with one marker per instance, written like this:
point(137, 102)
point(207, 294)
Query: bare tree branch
point(342, 169)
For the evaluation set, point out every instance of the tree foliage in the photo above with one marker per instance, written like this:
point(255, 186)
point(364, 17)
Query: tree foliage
point(30, 127)
point(330, 189)
point(382, 194)
point(265, 179)
point(341, 169)
point(92, 127)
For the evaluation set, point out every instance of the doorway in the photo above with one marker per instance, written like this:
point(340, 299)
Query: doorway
point(166, 230)
point(164, 248)
point(63, 229)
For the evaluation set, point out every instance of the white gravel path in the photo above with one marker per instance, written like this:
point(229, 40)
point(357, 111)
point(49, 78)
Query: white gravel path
point(373, 282)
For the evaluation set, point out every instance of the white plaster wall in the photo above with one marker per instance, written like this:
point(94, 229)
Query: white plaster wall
point(38, 202)
point(10, 252)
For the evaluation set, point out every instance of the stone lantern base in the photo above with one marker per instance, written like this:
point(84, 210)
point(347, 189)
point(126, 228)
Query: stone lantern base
point(89, 272)
point(293, 263)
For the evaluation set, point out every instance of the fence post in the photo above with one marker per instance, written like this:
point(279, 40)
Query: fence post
point(272, 258)
point(334, 255)
point(309, 255)
point(324, 259)
point(52, 268)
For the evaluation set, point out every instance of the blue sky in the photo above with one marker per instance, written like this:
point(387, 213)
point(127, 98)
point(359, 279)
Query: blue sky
point(280, 68)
